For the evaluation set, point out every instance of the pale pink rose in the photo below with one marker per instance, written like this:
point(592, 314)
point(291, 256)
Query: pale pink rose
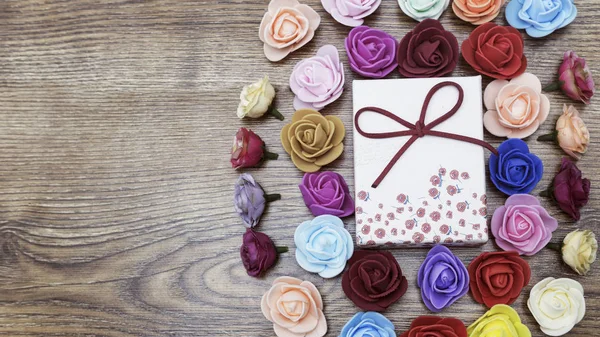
point(350, 12)
point(516, 108)
point(285, 27)
point(572, 134)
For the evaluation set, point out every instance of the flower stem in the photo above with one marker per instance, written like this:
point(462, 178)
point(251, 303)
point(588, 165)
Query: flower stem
point(275, 113)
point(281, 249)
point(554, 86)
point(546, 193)
point(270, 155)
point(554, 246)
point(272, 197)
point(548, 137)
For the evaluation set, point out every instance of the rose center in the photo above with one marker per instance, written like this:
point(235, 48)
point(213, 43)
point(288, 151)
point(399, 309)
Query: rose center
point(445, 280)
point(309, 136)
point(519, 107)
point(288, 28)
point(326, 243)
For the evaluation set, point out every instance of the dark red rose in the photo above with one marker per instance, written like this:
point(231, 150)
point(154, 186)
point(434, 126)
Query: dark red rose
point(258, 252)
point(374, 280)
point(427, 51)
point(247, 150)
point(433, 326)
point(498, 277)
point(495, 51)
point(570, 190)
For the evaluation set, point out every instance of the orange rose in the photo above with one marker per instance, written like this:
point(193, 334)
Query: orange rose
point(287, 26)
point(572, 134)
point(477, 12)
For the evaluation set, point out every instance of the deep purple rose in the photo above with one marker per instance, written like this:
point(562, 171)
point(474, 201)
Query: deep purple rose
point(371, 52)
point(443, 279)
point(570, 190)
point(249, 200)
point(258, 252)
point(326, 193)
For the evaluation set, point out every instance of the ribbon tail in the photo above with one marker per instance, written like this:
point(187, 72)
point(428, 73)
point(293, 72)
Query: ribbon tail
point(393, 161)
point(464, 139)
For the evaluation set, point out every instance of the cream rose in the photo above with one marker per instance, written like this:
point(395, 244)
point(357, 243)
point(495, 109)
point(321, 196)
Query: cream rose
point(557, 305)
point(287, 26)
point(571, 132)
point(579, 250)
point(256, 99)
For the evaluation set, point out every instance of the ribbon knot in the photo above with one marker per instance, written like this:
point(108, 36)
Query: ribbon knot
point(419, 129)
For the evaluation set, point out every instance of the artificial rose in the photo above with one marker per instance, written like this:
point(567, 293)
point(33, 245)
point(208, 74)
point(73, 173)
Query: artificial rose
point(477, 12)
point(371, 52)
point(425, 326)
point(569, 189)
point(515, 108)
point(522, 225)
point(498, 277)
point(248, 150)
point(256, 100)
point(258, 252)
point(575, 78)
point(443, 279)
point(423, 9)
point(350, 12)
point(318, 80)
point(374, 280)
point(579, 250)
point(427, 51)
point(540, 17)
point(326, 193)
point(313, 140)
point(571, 134)
point(500, 320)
point(365, 324)
point(295, 307)
point(285, 27)
point(495, 51)
point(323, 245)
point(557, 305)
point(515, 170)
point(249, 200)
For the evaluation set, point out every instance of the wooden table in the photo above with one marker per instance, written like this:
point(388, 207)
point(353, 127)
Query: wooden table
point(116, 121)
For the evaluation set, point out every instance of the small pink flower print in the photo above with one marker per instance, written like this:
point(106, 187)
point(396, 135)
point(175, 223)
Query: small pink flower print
point(387, 223)
point(440, 206)
point(370, 220)
point(474, 212)
point(359, 221)
point(366, 229)
point(476, 226)
point(391, 216)
point(418, 237)
point(437, 239)
point(461, 222)
point(483, 199)
point(435, 216)
point(371, 243)
point(485, 230)
point(362, 195)
point(474, 195)
point(409, 224)
point(426, 228)
point(455, 233)
point(380, 233)
point(401, 198)
point(465, 175)
point(442, 171)
point(421, 212)
point(483, 211)
point(359, 210)
point(479, 235)
point(451, 190)
point(449, 214)
point(403, 232)
point(435, 180)
point(461, 206)
point(394, 231)
point(380, 205)
point(448, 202)
point(400, 210)
point(454, 174)
point(378, 217)
point(410, 209)
point(425, 203)
point(434, 193)
point(444, 229)
point(448, 240)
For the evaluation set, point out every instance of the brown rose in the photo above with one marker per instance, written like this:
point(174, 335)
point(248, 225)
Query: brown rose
point(313, 140)
point(477, 12)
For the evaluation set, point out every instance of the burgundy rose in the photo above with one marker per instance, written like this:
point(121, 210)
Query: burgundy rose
point(435, 215)
point(454, 174)
point(444, 229)
point(570, 190)
point(461, 206)
point(451, 190)
point(366, 229)
point(326, 193)
point(432, 326)
point(409, 224)
point(426, 228)
point(258, 252)
point(435, 180)
point(427, 51)
point(418, 237)
point(248, 150)
point(421, 212)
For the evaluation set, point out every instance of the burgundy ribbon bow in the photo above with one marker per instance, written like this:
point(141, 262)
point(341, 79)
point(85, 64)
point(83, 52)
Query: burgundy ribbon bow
point(419, 129)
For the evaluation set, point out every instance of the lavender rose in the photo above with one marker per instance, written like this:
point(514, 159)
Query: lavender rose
point(350, 12)
point(443, 279)
point(371, 52)
point(249, 200)
point(326, 193)
point(522, 225)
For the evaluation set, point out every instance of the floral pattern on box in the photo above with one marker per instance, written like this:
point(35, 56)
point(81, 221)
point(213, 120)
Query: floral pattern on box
point(449, 211)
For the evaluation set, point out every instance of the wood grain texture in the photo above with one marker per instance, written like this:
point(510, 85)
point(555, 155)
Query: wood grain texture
point(116, 119)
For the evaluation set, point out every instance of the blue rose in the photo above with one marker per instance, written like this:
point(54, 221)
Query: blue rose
point(540, 17)
point(514, 170)
point(323, 245)
point(370, 324)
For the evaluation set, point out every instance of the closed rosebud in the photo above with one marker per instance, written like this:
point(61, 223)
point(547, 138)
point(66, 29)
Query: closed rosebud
point(248, 150)
point(572, 134)
point(579, 250)
point(256, 99)
point(575, 78)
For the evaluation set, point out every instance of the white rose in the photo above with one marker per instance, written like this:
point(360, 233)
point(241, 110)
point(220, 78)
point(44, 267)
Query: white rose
point(557, 305)
point(256, 99)
point(579, 250)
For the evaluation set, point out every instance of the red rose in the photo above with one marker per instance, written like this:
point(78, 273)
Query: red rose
point(247, 150)
point(498, 277)
point(570, 190)
point(433, 326)
point(258, 252)
point(374, 280)
point(495, 51)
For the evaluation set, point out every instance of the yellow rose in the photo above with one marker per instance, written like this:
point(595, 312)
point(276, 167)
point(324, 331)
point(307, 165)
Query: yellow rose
point(572, 134)
point(579, 250)
point(500, 320)
point(256, 99)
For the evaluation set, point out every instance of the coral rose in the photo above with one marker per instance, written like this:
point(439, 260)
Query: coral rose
point(477, 12)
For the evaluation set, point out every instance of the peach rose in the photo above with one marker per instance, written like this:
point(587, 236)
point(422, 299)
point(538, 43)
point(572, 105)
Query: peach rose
point(477, 12)
point(516, 108)
point(287, 26)
point(571, 132)
point(295, 307)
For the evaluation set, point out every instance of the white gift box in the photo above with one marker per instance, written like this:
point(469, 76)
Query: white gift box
point(435, 192)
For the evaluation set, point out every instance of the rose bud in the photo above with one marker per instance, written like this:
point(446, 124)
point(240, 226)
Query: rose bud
point(574, 78)
point(249, 200)
point(569, 189)
point(578, 250)
point(256, 99)
point(248, 150)
point(571, 134)
point(258, 252)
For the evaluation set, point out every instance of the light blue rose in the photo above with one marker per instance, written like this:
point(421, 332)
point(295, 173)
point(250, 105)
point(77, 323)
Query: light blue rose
point(323, 245)
point(370, 324)
point(540, 17)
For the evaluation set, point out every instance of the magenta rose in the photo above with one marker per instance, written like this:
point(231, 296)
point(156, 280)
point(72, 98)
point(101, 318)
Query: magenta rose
point(371, 52)
point(576, 78)
point(522, 225)
point(326, 193)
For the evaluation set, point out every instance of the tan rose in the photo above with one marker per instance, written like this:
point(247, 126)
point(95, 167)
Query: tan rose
point(477, 12)
point(295, 307)
point(313, 140)
point(571, 133)
point(287, 26)
point(579, 250)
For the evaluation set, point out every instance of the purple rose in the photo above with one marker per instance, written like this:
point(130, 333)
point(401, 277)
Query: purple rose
point(371, 52)
point(522, 225)
point(249, 200)
point(443, 279)
point(570, 190)
point(326, 193)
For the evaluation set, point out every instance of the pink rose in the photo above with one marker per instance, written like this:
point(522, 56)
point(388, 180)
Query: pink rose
point(285, 27)
point(576, 78)
point(318, 80)
point(350, 13)
point(522, 225)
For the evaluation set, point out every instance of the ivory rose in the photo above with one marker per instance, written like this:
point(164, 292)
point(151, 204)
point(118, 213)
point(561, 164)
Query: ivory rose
point(515, 108)
point(579, 250)
point(571, 133)
point(477, 12)
point(285, 27)
point(256, 99)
